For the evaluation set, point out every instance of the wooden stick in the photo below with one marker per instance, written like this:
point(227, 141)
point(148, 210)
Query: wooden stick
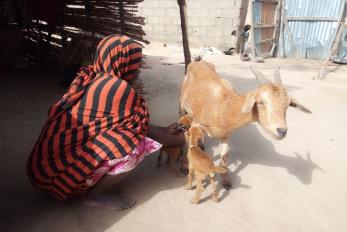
point(187, 56)
point(122, 19)
point(290, 37)
point(252, 32)
point(333, 49)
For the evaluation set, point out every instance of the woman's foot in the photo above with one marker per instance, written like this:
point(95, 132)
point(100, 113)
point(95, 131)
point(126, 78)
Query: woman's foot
point(110, 201)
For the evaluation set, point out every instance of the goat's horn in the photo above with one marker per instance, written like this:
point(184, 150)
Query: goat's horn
point(260, 77)
point(277, 76)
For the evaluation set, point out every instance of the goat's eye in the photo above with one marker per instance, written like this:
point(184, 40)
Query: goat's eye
point(260, 103)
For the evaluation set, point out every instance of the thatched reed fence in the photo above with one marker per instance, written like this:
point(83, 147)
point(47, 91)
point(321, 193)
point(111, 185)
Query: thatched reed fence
point(51, 25)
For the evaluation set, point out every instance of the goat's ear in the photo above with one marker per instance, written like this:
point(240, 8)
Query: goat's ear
point(249, 102)
point(295, 104)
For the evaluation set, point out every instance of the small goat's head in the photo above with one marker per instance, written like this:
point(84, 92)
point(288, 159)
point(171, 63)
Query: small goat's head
point(195, 134)
point(185, 122)
point(270, 102)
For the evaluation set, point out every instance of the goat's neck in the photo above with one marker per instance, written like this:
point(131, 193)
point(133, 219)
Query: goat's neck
point(240, 119)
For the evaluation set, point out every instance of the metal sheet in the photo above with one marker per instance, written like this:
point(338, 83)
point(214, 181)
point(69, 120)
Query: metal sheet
point(313, 25)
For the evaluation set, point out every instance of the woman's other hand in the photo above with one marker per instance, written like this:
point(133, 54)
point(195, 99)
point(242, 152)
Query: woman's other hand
point(174, 129)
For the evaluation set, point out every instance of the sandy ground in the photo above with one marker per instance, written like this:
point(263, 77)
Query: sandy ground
point(297, 184)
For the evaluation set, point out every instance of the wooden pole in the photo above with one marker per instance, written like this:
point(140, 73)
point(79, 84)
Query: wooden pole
point(277, 30)
point(252, 30)
point(187, 56)
point(89, 22)
point(243, 15)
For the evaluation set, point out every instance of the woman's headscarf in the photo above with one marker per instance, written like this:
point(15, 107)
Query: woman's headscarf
point(118, 56)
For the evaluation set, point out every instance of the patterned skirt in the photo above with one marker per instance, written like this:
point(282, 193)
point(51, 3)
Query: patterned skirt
point(125, 164)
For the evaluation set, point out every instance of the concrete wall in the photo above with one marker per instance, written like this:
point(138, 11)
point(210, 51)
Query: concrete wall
point(210, 23)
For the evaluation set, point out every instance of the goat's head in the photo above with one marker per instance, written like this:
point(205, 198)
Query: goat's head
point(270, 102)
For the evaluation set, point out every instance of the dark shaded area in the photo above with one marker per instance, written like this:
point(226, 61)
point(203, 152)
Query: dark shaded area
point(61, 34)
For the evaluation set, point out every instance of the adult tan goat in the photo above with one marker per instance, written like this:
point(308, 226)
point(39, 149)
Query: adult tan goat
point(216, 107)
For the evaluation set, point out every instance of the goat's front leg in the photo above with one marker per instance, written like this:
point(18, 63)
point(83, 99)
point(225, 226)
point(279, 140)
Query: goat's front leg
point(226, 180)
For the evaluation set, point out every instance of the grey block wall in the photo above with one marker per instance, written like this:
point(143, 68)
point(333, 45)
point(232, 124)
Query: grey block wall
point(209, 23)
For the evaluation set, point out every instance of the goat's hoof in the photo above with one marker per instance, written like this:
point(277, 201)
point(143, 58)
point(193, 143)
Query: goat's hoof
point(227, 184)
point(184, 172)
point(194, 201)
point(189, 187)
point(179, 174)
point(215, 199)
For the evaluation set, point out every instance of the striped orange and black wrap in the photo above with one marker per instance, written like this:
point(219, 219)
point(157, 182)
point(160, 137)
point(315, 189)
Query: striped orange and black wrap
point(99, 118)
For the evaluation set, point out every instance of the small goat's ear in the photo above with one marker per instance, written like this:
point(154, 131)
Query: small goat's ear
point(249, 102)
point(295, 104)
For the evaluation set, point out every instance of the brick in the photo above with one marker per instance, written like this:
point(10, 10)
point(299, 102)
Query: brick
point(147, 12)
point(153, 20)
point(236, 23)
point(147, 27)
point(151, 3)
point(172, 29)
point(177, 21)
point(168, 3)
point(159, 28)
point(227, 31)
point(193, 21)
point(231, 12)
point(198, 13)
point(225, 3)
point(200, 31)
point(173, 12)
point(215, 30)
point(215, 12)
point(159, 12)
point(197, 4)
point(226, 21)
point(208, 21)
point(165, 20)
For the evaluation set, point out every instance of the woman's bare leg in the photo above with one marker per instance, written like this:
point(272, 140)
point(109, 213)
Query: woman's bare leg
point(102, 194)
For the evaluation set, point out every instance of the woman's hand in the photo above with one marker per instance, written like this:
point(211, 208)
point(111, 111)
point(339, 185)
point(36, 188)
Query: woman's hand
point(174, 129)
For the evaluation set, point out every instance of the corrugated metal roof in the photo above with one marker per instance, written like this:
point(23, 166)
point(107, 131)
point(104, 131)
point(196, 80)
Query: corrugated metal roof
point(313, 25)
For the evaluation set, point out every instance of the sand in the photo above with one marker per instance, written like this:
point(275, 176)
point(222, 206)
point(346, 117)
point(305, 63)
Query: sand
point(297, 184)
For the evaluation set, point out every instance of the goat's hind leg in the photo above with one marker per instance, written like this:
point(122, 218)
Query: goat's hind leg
point(226, 180)
point(189, 185)
point(199, 190)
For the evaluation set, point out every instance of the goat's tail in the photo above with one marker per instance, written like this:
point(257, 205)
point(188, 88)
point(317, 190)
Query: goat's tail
point(218, 169)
